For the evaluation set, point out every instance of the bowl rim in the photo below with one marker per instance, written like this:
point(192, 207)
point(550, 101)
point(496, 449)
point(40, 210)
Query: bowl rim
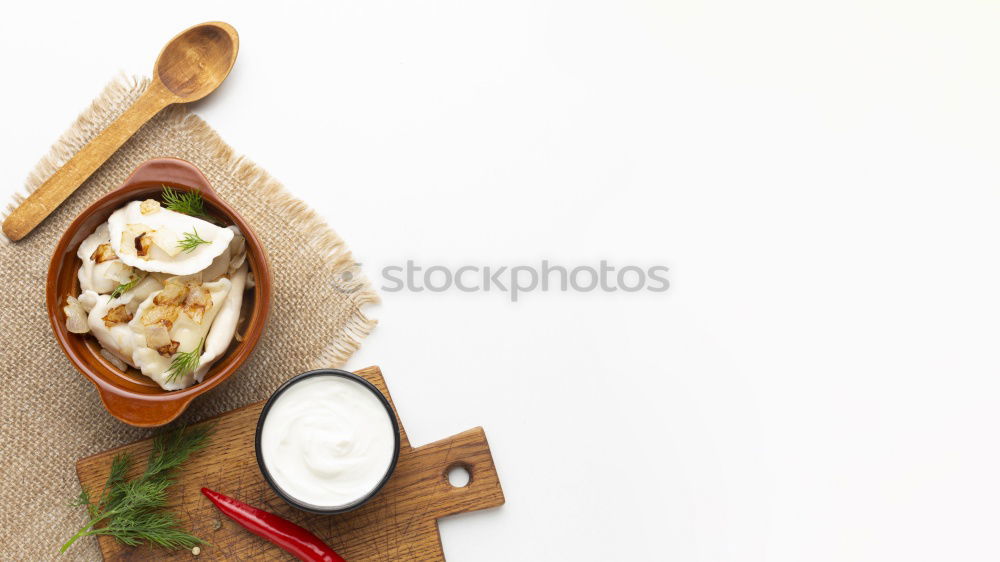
point(291, 500)
point(169, 404)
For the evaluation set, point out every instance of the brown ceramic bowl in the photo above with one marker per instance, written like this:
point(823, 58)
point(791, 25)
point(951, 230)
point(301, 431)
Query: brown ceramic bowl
point(130, 396)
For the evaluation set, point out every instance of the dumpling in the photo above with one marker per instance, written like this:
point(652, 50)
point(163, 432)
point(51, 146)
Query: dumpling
point(224, 327)
point(175, 320)
point(109, 324)
point(146, 236)
point(108, 317)
point(101, 270)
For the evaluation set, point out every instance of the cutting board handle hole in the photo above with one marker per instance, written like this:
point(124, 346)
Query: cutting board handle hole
point(459, 474)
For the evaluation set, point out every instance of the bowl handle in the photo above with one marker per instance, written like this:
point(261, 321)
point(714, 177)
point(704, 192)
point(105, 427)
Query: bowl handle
point(169, 170)
point(143, 412)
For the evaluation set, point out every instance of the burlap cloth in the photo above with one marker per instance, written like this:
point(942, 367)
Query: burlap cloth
point(52, 415)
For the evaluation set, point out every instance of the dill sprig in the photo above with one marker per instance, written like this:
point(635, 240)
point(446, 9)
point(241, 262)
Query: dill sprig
point(191, 241)
point(129, 510)
point(187, 202)
point(185, 362)
point(123, 288)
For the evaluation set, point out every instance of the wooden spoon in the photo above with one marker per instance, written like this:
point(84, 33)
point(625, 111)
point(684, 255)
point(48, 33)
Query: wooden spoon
point(190, 67)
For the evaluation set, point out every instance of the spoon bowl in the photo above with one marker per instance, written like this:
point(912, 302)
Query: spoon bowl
point(196, 61)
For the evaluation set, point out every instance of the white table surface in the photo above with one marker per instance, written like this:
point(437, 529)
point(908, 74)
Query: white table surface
point(820, 381)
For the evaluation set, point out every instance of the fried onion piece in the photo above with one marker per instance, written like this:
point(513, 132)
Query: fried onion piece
point(117, 315)
point(197, 302)
point(174, 293)
point(103, 253)
point(157, 335)
point(160, 314)
point(142, 244)
point(149, 206)
point(169, 349)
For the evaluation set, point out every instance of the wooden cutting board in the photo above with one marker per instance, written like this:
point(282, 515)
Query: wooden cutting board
point(400, 523)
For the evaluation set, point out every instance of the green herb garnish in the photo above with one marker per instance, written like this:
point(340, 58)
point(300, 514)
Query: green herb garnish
point(191, 241)
point(185, 362)
point(187, 202)
point(129, 510)
point(125, 287)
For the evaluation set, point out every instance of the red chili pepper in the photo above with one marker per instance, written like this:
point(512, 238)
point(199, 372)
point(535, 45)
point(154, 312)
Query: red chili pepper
point(282, 532)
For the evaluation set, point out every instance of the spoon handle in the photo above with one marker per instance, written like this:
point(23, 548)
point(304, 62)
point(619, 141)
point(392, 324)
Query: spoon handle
point(68, 178)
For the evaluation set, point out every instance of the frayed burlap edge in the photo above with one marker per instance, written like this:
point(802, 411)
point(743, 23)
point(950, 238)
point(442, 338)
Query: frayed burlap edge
point(330, 245)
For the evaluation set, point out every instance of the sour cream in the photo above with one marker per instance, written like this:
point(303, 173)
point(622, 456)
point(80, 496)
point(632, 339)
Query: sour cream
point(327, 441)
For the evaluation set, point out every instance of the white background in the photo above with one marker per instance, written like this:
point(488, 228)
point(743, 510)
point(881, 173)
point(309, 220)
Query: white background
point(820, 381)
